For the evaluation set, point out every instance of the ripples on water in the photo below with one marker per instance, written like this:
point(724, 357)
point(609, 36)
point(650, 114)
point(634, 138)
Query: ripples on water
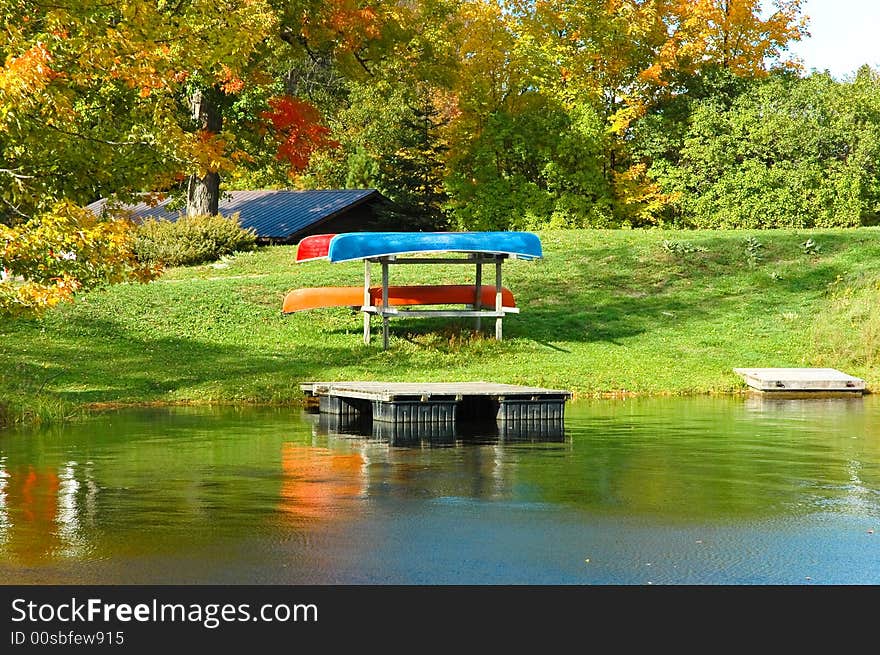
point(662, 491)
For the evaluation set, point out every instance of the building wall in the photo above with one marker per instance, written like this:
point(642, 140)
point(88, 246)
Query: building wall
point(362, 218)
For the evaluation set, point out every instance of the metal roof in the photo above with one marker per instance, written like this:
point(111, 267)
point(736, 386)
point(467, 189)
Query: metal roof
point(273, 214)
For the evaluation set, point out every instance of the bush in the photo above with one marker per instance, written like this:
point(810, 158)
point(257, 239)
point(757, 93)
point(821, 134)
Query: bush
point(191, 240)
point(49, 258)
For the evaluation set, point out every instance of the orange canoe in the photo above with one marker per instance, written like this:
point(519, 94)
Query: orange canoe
point(445, 294)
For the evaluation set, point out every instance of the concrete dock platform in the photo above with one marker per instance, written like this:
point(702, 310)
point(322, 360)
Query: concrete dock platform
point(803, 381)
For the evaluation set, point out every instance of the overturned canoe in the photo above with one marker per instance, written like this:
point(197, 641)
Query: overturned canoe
point(362, 245)
point(445, 294)
point(313, 247)
point(366, 245)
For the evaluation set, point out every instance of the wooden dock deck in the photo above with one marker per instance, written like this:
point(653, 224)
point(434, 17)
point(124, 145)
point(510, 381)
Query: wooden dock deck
point(801, 381)
point(438, 403)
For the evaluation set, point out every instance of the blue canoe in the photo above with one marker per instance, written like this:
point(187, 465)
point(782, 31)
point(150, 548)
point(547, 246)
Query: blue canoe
point(363, 245)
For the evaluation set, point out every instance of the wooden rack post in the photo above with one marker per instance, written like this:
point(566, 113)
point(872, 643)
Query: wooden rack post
point(478, 290)
point(367, 301)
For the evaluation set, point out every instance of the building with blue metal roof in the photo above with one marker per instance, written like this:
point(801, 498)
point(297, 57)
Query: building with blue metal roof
point(284, 215)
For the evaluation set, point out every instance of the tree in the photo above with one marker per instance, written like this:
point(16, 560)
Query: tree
point(571, 107)
point(114, 99)
point(537, 166)
point(786, 152)
point(627, 58)
point(732, 34)
point(129, 96)
point(94, 94)
point(391, 112)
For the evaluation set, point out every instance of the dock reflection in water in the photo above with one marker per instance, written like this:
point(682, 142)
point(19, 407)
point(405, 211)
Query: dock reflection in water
point(440, 434)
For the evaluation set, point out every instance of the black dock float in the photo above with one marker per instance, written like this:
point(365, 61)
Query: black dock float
point(438, 403)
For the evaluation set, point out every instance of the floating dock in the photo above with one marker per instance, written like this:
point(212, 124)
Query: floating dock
point(802, 381)
point(410, 434)
point(437, 403)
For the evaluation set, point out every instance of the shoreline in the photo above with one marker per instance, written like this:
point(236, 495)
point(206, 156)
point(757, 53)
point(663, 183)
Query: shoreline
point(82, 411)
point(606, 314)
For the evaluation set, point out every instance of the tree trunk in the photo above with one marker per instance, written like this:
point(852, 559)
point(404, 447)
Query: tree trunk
point(203, 193)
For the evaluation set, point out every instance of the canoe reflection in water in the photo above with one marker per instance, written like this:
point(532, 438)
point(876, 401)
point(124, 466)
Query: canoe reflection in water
point(319, 484)
point(39, 512)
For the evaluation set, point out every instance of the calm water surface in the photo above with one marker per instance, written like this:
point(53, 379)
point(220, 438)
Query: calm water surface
point(660, 491)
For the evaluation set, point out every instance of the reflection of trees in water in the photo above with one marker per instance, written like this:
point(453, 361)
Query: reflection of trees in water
point(4, 514)
point(135, 483)
point(719, 458)
point(31, 499)
point(149, 486)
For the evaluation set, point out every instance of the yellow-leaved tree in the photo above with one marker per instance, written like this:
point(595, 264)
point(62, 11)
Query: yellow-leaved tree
point(622, 57)
point(743, 36)
point(115, 99)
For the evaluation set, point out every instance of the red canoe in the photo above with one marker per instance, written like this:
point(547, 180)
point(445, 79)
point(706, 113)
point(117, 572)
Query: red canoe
point(445, 294)
point(313, 247)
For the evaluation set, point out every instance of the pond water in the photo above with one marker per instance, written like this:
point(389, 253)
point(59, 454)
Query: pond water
point(731, 490)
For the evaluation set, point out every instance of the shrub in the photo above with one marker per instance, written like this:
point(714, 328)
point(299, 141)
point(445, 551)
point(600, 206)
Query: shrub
point(191, 240)
point(49, 258)
point(753, 251)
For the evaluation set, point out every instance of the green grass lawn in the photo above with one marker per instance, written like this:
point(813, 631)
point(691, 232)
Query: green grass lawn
point(605, 312)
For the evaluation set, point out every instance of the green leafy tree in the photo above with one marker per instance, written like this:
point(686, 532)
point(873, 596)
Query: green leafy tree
point(538, 167)
point(390, 114)
point(391, 138)
point(788, 152)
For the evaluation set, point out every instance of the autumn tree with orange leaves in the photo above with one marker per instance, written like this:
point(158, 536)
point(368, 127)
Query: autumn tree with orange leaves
point(114, 99)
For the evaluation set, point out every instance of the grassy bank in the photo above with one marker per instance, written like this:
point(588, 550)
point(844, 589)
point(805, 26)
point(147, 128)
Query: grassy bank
point(605, 312)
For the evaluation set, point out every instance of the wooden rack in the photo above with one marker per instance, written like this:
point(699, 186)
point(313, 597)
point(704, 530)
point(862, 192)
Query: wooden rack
point(474, 309)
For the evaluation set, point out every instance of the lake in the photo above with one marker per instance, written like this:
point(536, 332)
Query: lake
point(665, 491)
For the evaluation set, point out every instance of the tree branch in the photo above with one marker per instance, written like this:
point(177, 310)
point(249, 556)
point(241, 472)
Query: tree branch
point(17, 176)
point(89, 137)
point(15, 209)
point(144, 144)
point(362, 62)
